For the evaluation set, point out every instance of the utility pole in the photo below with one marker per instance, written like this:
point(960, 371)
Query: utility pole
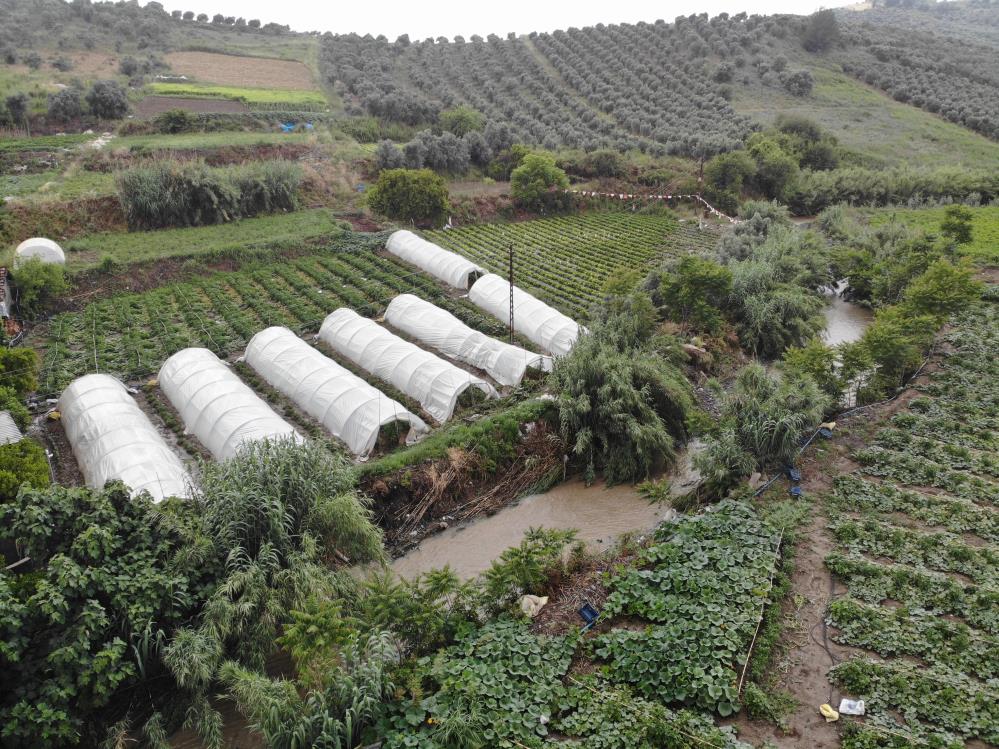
point(510, 279)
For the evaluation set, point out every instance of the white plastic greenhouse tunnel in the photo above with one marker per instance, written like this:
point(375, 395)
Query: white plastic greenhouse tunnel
point(532, 318)
point(38, 247)
point(351, 410)
point(445, 265)
point(438, 328)
point(435, 383)
point(216, 406)
point(113, 439)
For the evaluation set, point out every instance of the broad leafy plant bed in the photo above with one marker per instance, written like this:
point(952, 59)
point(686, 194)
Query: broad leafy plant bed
point(919, 546)
point(702, 586)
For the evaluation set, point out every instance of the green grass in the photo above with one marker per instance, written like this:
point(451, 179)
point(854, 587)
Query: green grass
point(43, 143)
point(882, 131)
point(57, 184)
point(251, 96)
point(984, 247)
point(134, 247)
point(184, 141)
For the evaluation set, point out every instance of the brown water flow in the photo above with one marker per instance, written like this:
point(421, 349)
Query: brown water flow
point(598, 513)
point(845, 321)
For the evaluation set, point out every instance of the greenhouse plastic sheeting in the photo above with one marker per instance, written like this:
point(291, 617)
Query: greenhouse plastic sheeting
point(424, 377)
point(216, 406)
point(532, 318)
point(39, 248)
point(113, 439)
point(351, 409)
point(449, 267)
point(443, 331)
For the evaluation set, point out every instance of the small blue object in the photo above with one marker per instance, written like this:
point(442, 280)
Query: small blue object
point(308, 126)
point(794, 474)
point(796, 491)
point(361, 187)
point(589, 614)
point(287, 127)
point(825, 432)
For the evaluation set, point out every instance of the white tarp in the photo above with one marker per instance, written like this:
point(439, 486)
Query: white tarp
point(113, 439)
point(216, 406)
point(350, 409)
point(38, 247)
point(546, 326)
point(448, 266)
point(430, 324)
point(424, 377)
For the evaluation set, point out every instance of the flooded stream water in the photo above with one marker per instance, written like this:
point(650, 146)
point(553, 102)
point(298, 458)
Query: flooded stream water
point(845, 321)
point(600, 514)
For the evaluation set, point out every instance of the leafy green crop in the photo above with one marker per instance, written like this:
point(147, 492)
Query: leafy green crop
point(703, 584)
point(501, 683)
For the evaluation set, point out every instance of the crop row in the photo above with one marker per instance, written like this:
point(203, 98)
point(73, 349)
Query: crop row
point(567, 260)
point(919, 554)
point(130, 335)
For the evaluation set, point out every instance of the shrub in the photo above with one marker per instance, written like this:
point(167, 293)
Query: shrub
point(694, 292)
point(539, 185)
point(37, 284)
point(621, 407)
point(416, 195)
point(168, 193)
point(174, 121)
point(942, 290)
point(22, 463)
point(799, 83)
point(388, 156)
point(19, 370)
point(762, 422)
point(107, 100)
point(65, 105)
point(957, 224)
point(461, 120)
point(605, 163)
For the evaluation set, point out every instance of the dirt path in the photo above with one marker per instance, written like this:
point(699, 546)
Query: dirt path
point(806, 651)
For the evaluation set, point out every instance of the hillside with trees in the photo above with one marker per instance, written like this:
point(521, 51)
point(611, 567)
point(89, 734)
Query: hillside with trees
point(666, 87)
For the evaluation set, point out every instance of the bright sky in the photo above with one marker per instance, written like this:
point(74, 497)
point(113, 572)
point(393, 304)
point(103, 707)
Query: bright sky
point(467, 17)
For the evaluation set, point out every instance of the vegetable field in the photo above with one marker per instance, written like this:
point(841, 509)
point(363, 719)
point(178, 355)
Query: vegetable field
point(918, 533)
point(130, 335)
point(567, 260)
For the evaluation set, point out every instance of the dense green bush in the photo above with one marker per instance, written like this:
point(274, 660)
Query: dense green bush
point(113, 580)
point(38, 283)
point(539, 185)
point(763, 419)
point(167, 193)
point(813, 191)
point(22, 463)
point(622, 408)
point(416, 195)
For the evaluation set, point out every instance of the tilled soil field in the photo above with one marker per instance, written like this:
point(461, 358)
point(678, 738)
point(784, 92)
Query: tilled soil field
point(154, 105)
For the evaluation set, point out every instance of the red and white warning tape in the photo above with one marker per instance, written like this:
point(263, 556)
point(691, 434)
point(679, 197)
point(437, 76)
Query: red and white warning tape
point(631, 196)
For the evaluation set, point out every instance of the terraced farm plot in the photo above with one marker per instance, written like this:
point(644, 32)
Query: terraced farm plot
point(255, 98)
point(237, 70)
point(567, 260)
point(918, 539)
point(130, 335)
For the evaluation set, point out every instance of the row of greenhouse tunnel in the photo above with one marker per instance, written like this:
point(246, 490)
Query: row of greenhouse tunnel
point(113, 439)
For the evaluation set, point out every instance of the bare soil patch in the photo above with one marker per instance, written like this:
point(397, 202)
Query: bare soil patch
point(233, 70)
point(154, 105)
point(94, 64)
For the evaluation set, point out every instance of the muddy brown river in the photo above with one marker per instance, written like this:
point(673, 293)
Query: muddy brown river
point(845, 321)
